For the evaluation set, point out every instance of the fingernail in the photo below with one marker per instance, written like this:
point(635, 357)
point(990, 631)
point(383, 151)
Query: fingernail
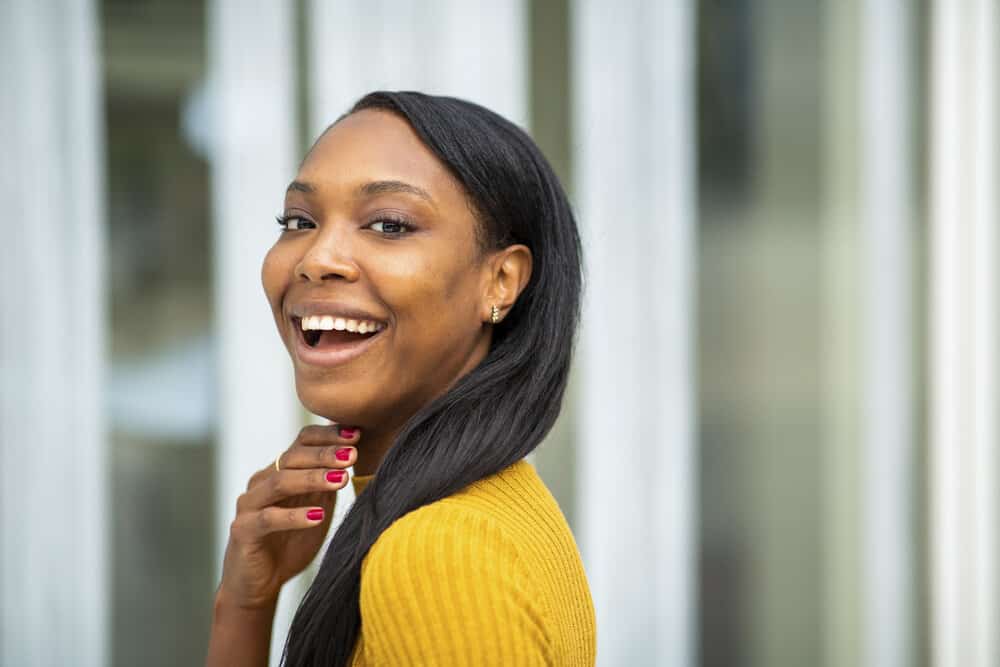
point(335, 476)
point(347, 432)
point(314, 515)
point(344, 453)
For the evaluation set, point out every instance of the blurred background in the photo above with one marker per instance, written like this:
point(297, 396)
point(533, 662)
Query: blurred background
point(779, 446)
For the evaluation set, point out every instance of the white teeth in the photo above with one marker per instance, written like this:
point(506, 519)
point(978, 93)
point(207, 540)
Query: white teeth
point(328, 322)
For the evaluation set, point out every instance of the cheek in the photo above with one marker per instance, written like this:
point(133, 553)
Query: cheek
point(426, 294)
point(274, 274)
point(437, 319)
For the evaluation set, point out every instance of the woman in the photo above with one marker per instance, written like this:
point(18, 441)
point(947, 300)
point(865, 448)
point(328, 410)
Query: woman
point(426, 282)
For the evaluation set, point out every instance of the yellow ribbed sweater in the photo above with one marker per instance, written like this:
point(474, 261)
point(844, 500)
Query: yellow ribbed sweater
point(490, 575)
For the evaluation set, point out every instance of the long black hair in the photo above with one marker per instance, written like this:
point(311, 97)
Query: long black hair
point(500, 411)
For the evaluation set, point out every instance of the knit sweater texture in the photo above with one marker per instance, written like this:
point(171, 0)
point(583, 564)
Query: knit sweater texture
point(490, 575)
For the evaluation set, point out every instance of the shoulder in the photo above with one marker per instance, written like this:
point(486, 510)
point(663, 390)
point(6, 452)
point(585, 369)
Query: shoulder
point(481, 518)
point(448, 542)
point(446, 583)
point(448, 521)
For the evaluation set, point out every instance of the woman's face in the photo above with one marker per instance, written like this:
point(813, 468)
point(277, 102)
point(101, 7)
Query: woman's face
point(347, 248)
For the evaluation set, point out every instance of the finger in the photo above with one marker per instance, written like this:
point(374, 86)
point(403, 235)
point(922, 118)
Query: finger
point(331, 454)
point(319, 434)
point(251, 526)
point(286, 483)
point(320, 446)
point(299, 457)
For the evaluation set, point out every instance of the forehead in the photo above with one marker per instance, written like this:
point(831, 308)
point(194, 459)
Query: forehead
point(374, 145)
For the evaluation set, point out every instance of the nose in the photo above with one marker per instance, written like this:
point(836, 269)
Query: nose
point(326, 259)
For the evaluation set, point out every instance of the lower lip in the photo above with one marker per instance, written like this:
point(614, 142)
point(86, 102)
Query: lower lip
point(335, 356)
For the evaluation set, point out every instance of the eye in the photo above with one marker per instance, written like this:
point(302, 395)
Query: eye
point(292, 223)
point(392, 226)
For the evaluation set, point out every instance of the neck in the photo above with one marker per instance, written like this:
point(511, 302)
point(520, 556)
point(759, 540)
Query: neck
point(375, 442)
point(372, 447)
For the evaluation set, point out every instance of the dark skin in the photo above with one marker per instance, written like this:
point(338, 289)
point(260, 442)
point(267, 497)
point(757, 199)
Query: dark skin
point(432, 285)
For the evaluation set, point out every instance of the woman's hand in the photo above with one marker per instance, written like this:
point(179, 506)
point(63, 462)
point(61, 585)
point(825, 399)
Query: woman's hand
point(272, 537)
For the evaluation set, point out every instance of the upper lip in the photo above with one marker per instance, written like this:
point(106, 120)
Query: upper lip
point(334, 308)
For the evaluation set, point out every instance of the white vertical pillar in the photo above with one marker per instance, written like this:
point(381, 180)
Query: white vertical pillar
point(633, 67)
point(842, 369)
point(53, 470)
point(869, 341)
point(985, 325)
point(253, 159)
point(963, 322)
point(887, 220)
point(475, 50)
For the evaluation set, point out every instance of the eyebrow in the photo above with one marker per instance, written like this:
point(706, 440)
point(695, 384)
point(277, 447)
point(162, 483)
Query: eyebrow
point(373, 188)
point(370, 189)
point(300, 187)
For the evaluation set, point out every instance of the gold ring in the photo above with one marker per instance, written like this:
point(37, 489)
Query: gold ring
point(276, 467)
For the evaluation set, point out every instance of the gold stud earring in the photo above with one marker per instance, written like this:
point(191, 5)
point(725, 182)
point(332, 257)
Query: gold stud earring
point(495, 314)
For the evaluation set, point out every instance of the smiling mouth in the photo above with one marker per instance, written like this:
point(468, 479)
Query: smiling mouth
point(329, 339)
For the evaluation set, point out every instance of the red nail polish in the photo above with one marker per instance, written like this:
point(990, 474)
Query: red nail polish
point(344, 453)
point(314, 515)
point(347, 432)
point(335, 476)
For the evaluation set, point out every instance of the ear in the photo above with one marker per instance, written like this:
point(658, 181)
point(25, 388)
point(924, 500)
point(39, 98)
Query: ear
point(506, 274)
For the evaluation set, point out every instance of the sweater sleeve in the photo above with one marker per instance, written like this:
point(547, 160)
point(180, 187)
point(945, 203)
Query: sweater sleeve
point(444, 585)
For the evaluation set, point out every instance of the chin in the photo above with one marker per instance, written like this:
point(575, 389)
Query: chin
point(337, 403)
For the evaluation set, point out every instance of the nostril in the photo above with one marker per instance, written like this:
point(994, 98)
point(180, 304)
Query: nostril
point(338, 275)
